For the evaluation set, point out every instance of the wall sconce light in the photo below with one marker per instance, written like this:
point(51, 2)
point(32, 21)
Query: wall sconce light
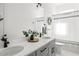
point(38, 5)
point(39, 10)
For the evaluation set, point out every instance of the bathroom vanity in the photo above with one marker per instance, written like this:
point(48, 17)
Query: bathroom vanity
point(45, 47)
point(45, 50)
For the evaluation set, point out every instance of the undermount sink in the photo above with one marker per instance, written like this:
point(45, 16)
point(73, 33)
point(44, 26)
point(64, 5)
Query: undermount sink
point(10, 51)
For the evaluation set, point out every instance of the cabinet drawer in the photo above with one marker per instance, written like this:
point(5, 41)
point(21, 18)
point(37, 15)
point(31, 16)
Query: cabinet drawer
point(43, 51)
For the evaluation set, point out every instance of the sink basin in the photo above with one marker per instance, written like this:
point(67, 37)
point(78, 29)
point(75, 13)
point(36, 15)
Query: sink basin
point(11, 51)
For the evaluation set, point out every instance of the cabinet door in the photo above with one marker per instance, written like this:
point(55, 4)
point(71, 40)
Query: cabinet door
point(44, 51)
point(32, 54)
point(52, 48)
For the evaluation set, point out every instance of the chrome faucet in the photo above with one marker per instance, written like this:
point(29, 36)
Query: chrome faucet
point(4, 39)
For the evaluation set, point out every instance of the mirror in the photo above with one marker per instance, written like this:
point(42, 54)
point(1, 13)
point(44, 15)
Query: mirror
point(39, 24)
point(44, 26)
point(1, 18)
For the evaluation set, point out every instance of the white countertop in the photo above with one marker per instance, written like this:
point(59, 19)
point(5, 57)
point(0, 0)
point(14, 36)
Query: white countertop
point(31, 47)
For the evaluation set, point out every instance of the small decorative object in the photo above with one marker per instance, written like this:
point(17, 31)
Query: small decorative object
point(35, 40)
point(32, 35)
point(49, 20)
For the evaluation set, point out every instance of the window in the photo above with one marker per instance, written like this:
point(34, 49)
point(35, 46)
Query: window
point(60, 28)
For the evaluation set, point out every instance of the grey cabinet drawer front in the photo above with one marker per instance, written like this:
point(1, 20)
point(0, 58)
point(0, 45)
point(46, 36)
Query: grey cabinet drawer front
point(46, 50)
point(43, 51)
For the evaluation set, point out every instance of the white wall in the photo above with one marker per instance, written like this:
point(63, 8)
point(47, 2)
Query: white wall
point(53, 8)
point(1, 15)
point(1, 23)
point(19, 17)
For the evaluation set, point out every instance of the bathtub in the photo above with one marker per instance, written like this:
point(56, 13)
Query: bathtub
point(66, 48)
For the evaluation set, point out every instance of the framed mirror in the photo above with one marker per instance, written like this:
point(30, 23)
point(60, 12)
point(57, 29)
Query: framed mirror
point(39, 23)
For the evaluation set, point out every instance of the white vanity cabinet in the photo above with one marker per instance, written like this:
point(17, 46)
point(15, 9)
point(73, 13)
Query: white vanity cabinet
point(46, 50)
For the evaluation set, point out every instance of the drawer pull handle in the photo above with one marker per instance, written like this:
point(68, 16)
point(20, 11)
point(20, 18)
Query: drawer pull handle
point(43, 49)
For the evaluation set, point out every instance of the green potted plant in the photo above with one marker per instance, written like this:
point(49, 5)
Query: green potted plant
point(31, 34)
